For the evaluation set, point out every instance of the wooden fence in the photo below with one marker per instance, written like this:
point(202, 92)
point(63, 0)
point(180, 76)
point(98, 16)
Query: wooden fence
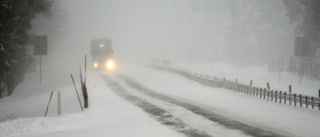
point(281, 97)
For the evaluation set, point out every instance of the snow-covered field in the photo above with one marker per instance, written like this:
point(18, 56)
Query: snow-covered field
point(22, 114)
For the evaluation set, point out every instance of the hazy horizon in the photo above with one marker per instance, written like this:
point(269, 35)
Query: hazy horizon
point(189, 31)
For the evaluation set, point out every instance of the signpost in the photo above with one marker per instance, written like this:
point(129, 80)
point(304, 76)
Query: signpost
point(40, 47)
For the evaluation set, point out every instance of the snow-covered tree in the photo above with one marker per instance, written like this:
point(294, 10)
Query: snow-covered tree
point(307, 14)
point(15, 21)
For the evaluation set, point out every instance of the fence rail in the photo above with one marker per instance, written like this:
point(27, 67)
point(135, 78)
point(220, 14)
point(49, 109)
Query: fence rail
point(281, 97)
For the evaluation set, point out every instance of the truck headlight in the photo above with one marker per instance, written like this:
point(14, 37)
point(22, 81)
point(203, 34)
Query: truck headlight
point(95, 65)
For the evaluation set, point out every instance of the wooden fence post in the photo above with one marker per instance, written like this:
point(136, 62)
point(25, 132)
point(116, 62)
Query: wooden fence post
point(245, 89)
point(300, 100)
point(253, 91)
point(312, 102)
point(306, 101)
point(236, 85)
point(221, 84)
point(268, 86)
point(295, 99)
point(271, 95)
point(250, 90)
point(242, 88)
point(290, 93)
point(215, 80)
point(264, 93)
point(285, 97)
point(280, 94)
point(227, 87)
point(232, 86)
point(276, 96)
point(224, 80)
point(260, 92)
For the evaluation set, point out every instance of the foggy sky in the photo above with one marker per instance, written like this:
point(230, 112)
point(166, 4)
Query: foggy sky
point(179, 30)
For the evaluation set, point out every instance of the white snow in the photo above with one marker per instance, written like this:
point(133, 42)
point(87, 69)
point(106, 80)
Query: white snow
point(279, 118)
point(22, 114)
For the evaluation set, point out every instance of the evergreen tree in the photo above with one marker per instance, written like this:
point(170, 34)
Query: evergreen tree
point(307, 14)
point(15, 21)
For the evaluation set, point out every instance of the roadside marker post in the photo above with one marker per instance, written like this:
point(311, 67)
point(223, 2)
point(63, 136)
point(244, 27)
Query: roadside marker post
point(48, 104)
point(76, 91)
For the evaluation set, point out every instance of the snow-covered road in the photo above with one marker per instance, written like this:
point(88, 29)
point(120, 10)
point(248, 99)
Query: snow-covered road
point(276, 118)
point(195, 120)
point(184, 108)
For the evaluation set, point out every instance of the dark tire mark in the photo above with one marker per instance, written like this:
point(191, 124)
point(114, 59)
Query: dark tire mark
point(157, 113)
point(247, 129)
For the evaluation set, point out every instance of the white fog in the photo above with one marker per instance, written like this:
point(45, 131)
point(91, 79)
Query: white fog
point(178, 30)
point(155, 68)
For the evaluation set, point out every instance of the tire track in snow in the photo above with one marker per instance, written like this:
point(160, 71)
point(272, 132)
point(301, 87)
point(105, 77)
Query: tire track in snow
point(158, 113)
point(188, 117)
point(246, 129)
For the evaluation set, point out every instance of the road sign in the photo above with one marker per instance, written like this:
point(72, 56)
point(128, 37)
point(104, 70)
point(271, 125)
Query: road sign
point(40, 45)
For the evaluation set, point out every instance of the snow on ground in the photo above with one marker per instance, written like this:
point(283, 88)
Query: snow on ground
point(22, 114)
point(278, 118)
